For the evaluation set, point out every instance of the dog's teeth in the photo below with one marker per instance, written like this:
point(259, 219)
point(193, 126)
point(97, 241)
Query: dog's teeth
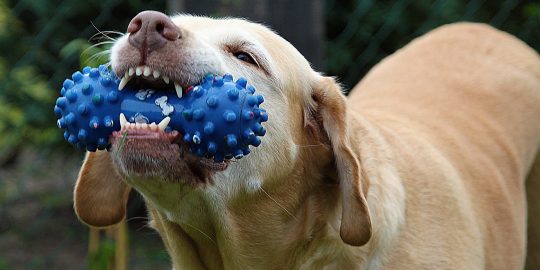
point(139, 71)
point(123, 121)
point(147, 71)
point(163, 124)
point(166, 79)
point(178, 89)
point(131, 71)
point(156, 74)
point(153, 126)
point(124, 81)
point(138, 125)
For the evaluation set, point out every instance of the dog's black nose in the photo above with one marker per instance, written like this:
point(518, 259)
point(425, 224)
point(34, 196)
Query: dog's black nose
point(151, 30)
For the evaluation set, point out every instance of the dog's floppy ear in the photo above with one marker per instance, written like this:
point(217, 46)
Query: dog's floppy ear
point(100, 195)
point(333, 116)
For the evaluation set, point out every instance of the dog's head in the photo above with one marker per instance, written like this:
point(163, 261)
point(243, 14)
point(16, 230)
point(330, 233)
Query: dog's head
point(307, 130)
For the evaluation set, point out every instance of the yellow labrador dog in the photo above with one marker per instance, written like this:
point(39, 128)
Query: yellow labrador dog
point(422, 167)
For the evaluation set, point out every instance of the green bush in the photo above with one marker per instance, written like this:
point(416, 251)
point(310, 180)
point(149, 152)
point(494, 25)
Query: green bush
point(42, 43)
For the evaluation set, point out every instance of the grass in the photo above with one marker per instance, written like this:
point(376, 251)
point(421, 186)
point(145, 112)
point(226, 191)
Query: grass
point(124, 136)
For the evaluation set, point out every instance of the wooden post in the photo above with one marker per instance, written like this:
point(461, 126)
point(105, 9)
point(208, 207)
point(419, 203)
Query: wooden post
point(121, 247)
point(118, 233)
point(93, 241)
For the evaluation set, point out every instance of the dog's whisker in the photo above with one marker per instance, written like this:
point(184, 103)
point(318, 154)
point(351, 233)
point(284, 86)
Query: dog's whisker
point(146, 226)
point(280, 206)
point(101, 43)
point(100, 38)
point(204, 234)
point(113, 32)
point(89, 48)
point(310, 145)
point(97, 55)
point(104, 52)
point(100, 54)
point(101, 32)
point(135, 218)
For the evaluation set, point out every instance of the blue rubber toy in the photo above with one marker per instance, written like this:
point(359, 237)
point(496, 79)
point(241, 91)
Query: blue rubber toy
point(219, 118)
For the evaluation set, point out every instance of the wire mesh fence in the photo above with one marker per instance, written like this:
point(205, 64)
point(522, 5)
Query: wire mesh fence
point(361, 33)
point(41, 42)
point(358, 33)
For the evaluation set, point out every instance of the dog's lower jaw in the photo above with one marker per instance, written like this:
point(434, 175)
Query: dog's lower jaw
point(158, 159)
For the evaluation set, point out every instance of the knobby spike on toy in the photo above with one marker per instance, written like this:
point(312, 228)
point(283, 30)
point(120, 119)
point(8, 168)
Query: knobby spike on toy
point(219, 118)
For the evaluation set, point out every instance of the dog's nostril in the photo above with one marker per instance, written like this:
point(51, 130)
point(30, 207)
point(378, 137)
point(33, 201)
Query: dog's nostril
point(160, 27)
point(134, 25)
point(170, 33)
point(167, 31)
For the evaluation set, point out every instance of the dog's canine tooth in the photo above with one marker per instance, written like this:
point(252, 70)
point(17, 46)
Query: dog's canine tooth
point(147, 71)
point(138, 71)
point(156, 74)
point(131, 71)
point(178, 89)
point(166, 79)
point(124, 81)
point(163, 124)
point(123, 121)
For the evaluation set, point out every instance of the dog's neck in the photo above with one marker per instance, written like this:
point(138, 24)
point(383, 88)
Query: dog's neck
point(260, 228)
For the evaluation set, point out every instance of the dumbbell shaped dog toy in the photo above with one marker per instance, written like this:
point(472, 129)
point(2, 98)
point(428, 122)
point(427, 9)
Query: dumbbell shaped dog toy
point(218, 118)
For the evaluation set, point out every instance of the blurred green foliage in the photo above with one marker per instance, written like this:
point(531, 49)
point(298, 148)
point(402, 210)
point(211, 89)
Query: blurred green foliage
point(4, 265)
point(43, 42)
point(25, 94)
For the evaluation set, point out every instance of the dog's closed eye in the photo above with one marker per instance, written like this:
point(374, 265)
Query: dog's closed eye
point(246, 52)
point(246, 57)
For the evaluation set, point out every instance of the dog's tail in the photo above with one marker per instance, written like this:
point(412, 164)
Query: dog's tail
point(533, 223)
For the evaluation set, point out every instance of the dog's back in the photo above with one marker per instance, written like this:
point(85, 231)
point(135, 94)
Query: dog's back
point(469, 95)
